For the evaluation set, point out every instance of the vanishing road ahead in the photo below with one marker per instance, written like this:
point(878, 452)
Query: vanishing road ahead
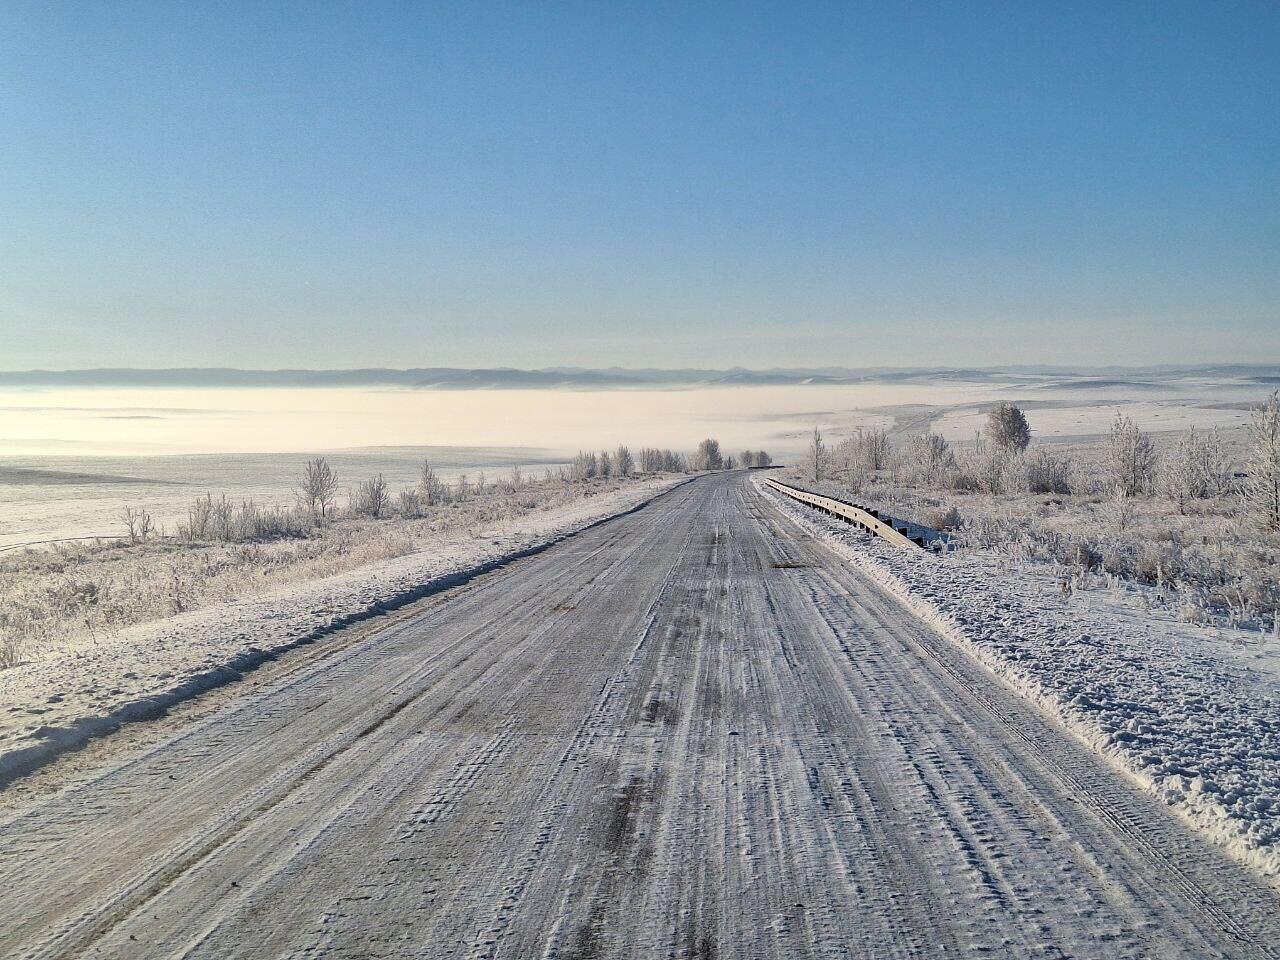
point(687, 732)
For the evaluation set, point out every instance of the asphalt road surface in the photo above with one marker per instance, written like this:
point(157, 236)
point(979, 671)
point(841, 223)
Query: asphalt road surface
point(688, 732)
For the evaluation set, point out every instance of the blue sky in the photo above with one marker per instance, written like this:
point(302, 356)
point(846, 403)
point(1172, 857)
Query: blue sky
point(409, 184)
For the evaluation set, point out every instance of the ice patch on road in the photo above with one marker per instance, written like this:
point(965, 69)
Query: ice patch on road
point(1192, 722)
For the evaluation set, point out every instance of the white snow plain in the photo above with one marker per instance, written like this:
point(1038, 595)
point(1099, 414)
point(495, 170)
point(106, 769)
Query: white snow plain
point(58, 703)
point(1192, 722)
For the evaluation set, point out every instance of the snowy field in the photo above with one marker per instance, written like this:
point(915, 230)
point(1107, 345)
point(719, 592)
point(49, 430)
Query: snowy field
point(63, 694)
point(71, 458)
point(48, 497)
point(1192, 714)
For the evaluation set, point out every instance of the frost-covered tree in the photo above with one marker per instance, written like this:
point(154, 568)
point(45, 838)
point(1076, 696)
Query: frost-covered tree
point(846, 463)
point(874, 449)
point(747, 458)
point(462, 489)
point(1007, 428)
point(1196, 468)
point(373, 496)
point(1262, 483)
point(1130, 459)
point(430, 487)
point(624, 464)
point(930, 459)
point(816, 457)
point(763, 459)
point(708, 455)
point(318, 488)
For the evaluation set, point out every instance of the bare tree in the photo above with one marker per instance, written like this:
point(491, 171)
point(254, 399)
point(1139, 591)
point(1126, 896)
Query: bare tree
point(816, 457)
point(623, 462)
point(1262, 485)
point(747, 458)
point(137, 523)
point(462, 489)
point(1007, 428)
point(318, 489)
point(1131, 459)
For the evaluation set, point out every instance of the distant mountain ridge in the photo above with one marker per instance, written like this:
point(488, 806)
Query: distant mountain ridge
point(511, 378)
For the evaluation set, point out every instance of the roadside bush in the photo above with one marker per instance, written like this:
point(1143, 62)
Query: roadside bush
point(1262, 483)
point(226, 550)
point(1047, 472)
point(372, 497)
point(1131, 459)
point(942, 518)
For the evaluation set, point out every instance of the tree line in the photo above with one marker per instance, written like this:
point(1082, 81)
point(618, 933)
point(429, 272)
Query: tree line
point(319, 489)
point(1127, 464)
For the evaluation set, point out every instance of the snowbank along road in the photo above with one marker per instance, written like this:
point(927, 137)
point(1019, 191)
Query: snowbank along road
point(689, 732)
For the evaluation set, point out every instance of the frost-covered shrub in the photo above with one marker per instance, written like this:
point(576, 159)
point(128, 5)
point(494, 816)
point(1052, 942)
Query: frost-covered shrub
point(1047, 472)
point(942, 518)
point(1262, 482)
point(220, 520)
point(584, 466)
point(1131, 459)
point(1205, 554)
point(80, 590)
point(928, 459)
point(989, 468)
point(372, 497)
point(624, 463)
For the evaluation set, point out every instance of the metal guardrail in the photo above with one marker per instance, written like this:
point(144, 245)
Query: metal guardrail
point(865, 517)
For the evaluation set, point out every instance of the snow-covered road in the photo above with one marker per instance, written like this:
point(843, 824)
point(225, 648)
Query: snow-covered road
point(688, 732)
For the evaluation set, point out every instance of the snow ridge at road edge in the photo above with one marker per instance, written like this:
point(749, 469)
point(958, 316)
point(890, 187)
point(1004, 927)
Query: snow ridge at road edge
point(891, 569)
